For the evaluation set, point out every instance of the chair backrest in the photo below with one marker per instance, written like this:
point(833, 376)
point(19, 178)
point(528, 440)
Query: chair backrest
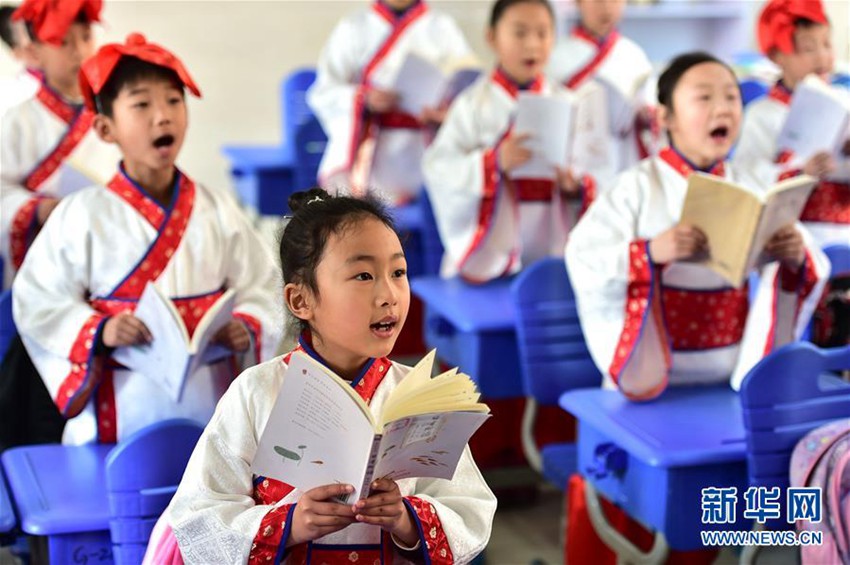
point(839, 259)
point(552, 351)
point(841, 79)
point(142, 474)
point(296, 111)
point(8, 331)
point(787, 394)
point(751, 89)
point(309, 144)
point(432, 245)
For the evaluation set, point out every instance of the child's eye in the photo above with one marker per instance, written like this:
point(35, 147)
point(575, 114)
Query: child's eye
point(140, 105)
point(399, 273)
point(175, 100)
point(363, 277)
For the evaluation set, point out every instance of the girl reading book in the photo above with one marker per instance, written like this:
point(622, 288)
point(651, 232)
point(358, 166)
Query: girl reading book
point(346, 286)
point(652, 315)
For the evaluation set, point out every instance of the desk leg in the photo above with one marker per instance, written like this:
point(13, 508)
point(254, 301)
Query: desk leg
point(82, 548)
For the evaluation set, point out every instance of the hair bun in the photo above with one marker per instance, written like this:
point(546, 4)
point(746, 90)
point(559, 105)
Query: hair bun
point(298, 200)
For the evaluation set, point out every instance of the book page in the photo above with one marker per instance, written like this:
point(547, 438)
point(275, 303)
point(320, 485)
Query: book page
point(589, 149)
point(428, 445)
point(548, 120)
point(458, 82)
point(817, 121)
point(419, 84)
point(166, 359)
point(316, 434)
point(728, 215)
point(785, 203)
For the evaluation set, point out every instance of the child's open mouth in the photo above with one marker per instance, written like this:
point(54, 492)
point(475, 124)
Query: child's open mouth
point(720, 134)
point(529, 62)
point(384, 328)
point(162, 141)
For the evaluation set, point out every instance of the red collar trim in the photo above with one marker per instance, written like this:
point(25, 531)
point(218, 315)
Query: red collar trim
point(56, 104)
point(685, 168)
point(780, 93)
point(510, 85)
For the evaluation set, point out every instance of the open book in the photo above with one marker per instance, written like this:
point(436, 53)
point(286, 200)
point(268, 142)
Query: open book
point(172, 356)
point(567, 131)
point(621, 100)
point(738, 223)
point(321, 432)
point(818, 120)
point(420, 83)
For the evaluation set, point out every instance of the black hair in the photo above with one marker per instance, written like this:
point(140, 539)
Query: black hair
point(130, 70)
point(81, 18)
point(6, 32)
point(501, 6)
point(315, 216)
point(806, 23)
point(671, 76)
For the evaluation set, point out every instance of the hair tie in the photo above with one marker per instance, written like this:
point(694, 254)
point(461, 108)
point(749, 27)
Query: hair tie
point(315, 199)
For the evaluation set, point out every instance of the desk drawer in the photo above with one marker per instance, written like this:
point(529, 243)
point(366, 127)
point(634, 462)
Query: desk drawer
point(491, 358)
point(663, 498)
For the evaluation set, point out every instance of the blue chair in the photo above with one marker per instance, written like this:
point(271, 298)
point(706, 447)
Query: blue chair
point(751, 89)
point(296, 111)
point(839, 260)
point(8, 331)
point(432, 245)
point(841, 79)
point(553, 357)
point(7, 513)
point(142, 474)
point(786, 395)
point(309, 144)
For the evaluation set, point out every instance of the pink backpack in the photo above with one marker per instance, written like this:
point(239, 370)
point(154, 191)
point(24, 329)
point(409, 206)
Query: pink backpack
point(822, 459)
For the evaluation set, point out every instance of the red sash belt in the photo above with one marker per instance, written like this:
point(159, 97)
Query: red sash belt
point(829, 202)
point(534, 190)
point(191, 309)
point(704, 319)
point(397, 120)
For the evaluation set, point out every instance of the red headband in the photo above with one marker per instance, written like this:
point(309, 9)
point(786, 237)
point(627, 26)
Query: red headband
point(96, 71)
point(776, 22)
point(50, 19)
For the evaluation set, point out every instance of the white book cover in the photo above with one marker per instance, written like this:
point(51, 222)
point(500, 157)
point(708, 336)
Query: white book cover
point(590, 149)
point(320, 431)
point(818, 120)
point(172, 356)
point(422, 84)
point(549, 122)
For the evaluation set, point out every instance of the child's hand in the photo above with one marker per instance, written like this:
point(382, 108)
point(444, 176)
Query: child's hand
point(512, 152)
point(786, 245)
point(125, 329)
point(385, 508)
point(234, 336)
point(317, 515)
point(682, 241)
point(433, 115)
point(380, 101)
point(568, 184)
point(845, 149)
point(819, 165)
point(44, 208)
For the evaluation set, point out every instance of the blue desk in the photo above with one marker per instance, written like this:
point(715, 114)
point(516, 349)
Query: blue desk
point(669, 450)
point(472, 327)
point(263, 176)
point(60, 492)
point(7, 513)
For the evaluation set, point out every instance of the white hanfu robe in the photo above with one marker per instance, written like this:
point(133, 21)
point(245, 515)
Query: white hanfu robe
point(222, 513)
point(648, 326)
point(47, 148)
point(93, 259)
point(18, 88)
point(490, 225)
point(366, 50)
point(827, 212)
point(621, 64)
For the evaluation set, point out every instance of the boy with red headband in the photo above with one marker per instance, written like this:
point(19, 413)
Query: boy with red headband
point(75, 295)
point(795, 34)
point(47, 148)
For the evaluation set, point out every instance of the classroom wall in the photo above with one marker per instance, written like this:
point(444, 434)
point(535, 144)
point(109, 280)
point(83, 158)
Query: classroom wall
point(239, 50)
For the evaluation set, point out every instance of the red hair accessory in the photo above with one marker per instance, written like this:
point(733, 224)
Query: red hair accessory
point(776, 22)
point(50, 19)
point(96, 71)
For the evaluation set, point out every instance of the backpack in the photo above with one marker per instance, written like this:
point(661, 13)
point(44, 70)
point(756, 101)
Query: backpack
point(822, 459)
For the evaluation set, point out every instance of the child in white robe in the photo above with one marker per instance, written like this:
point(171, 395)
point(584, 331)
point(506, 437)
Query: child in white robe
point(75, 294)
point(346, 285)
point(595, 51)
point(651, 317)
point(796, 36)
point(26, 81)
point(490, 224)
point(372, 145)
point(47, 147)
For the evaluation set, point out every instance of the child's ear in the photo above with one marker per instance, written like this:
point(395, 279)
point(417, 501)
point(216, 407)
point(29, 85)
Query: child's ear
point(104, 126)
point(662, 116)
point(490, 36)
point(299, 300)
